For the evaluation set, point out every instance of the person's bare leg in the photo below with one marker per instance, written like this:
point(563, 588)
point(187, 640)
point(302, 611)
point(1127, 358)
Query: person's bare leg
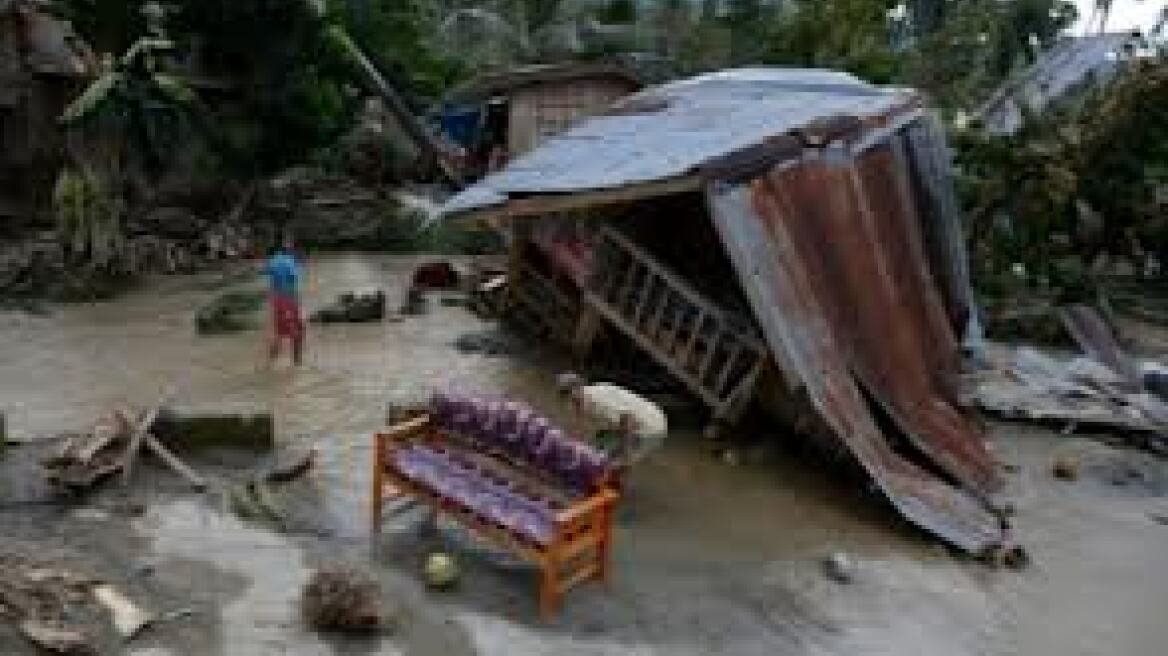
point(297, 348)
point(274, 350)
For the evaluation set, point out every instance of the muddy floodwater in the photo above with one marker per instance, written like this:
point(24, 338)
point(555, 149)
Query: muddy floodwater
point(710, 558)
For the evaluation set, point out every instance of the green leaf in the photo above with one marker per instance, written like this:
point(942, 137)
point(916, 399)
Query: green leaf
point(94, 95)
point(174, 88)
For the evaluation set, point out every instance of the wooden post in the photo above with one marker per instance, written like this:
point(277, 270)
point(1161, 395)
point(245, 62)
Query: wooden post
point(514, 266)
point(604, 549)
point(587, 328)
point(548, 594)
point(378, 460)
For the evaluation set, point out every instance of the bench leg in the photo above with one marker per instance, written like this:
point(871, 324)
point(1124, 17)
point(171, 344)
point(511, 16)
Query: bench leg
point(378, 490)
point(604, 549)
point(549, 594)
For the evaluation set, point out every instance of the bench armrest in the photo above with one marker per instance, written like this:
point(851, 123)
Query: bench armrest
point(405, 430)
point(603, 499)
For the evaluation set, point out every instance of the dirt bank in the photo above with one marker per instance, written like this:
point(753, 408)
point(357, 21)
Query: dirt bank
point(710, 558)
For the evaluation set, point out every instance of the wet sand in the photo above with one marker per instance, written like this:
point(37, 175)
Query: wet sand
point(710, 558)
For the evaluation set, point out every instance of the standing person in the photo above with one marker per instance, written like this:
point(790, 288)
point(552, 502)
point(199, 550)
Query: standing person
point(627, 426)
point(283, 272)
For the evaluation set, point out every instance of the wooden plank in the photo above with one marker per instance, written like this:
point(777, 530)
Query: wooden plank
point(654, 327)
point(539, 205)
point(139, 433)
point(695, 332)
point(644, 299)
point(676, 282)
point(174, 462)
point(625, 292)
point(670, 343)
point(736, 403)
point(664, 359)
point(591, 540)
point(708, 359)
point(727, 369)
point(582, 575)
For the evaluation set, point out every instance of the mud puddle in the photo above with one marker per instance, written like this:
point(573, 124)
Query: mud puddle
point(710, 558)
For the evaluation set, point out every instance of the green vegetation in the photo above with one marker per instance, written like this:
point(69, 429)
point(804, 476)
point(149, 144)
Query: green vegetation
point(1075, 191)
point(1073, 187)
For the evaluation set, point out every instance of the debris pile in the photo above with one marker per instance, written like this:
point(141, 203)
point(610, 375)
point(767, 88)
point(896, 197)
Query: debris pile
point(493, 343)
point(352, 307)
point(59, 610)
point(436, 275)
point(342, 599)
point(111, 446)
point(1069, 393)
point(255, 499)
point(41, 600)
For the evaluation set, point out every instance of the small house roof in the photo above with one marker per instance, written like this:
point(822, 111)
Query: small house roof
point(672, 130)
point(509, 80)
point(1057, 72)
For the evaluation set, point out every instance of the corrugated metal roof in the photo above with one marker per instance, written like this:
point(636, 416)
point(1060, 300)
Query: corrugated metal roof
point(514, 78)
point(1058, 71)
point(671, 130)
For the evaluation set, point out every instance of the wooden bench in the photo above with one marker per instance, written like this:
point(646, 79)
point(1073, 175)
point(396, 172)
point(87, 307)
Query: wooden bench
point(509, 475)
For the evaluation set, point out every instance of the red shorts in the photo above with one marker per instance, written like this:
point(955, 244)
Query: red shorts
point(286, 316)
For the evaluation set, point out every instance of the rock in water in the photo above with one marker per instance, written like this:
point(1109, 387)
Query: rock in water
point(839, 567)
point(1065, 468)
point(440, 571)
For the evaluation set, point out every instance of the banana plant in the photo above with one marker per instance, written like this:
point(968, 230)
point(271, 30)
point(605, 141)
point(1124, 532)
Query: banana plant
point(137, 99)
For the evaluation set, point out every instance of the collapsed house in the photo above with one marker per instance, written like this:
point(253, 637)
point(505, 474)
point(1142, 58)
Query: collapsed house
point(759, 225)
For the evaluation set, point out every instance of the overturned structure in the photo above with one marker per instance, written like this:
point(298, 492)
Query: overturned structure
point(755, 225)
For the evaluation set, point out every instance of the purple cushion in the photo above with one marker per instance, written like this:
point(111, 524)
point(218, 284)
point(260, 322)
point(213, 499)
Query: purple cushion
point(512, 427)
point(474, 489)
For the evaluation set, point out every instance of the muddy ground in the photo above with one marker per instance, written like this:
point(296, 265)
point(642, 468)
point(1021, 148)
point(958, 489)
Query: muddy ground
point(710, 558)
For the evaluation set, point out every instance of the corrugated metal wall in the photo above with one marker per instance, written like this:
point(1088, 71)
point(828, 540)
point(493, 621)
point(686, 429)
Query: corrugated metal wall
point(830, 251)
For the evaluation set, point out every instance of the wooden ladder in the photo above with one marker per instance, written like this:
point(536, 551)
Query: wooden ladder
point(716, 356)
point(537, 300)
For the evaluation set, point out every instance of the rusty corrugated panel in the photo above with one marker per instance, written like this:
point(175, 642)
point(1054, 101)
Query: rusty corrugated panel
point(928, 161)
point(856, 232)
point(842, 317)
point(1094, 336)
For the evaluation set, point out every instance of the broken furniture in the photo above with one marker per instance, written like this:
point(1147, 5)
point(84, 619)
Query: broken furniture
point(114, 441)
point(512, 477)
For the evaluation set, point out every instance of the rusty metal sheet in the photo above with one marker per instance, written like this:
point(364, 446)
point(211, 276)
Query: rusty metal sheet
point(843, 318)
point(1094, 336)
point(927, 159)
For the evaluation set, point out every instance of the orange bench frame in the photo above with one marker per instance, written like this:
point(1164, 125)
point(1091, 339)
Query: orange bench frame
point(578, 552)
